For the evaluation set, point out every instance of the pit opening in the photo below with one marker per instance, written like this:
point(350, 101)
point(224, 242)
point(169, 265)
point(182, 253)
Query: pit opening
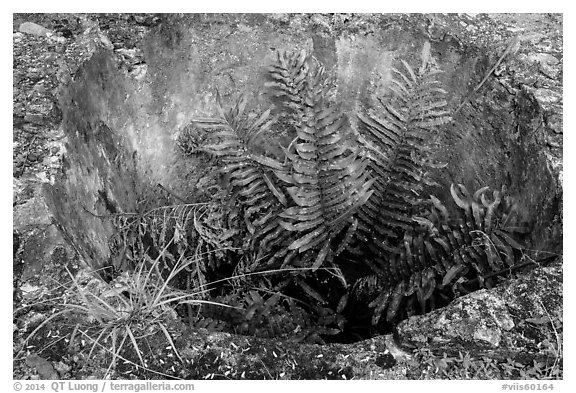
point(143, 186)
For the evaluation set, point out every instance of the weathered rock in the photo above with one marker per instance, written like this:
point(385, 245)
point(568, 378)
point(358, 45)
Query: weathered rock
point(479, 318)
point(38, 249)
point(33, 28)
point(39, 237)
point(500, 322)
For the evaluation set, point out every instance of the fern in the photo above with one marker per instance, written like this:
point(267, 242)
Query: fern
point(398, 142)
point(325, 177)
point(191, 140)
point(439, 250)
point(173, 233)
point(262, 313)
point(355, 204)
point(289, 80)
point(235, 138)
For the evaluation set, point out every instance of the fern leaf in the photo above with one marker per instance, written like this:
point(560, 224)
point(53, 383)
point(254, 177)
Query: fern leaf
point(325, 174)
point(449, 245)
point(400, 136)
point(234, 137)
point(324, 251)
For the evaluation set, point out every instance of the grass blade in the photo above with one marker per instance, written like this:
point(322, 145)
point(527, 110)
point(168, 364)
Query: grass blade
point(135, 344)
point(170, 341)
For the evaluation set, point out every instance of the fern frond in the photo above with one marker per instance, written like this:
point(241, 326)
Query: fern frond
point(234, 139)
point(289, 76)
point(441, 248)
point(326, 177)
point(398, 142)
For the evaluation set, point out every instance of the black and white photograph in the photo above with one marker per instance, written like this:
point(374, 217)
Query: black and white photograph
point(286, 196)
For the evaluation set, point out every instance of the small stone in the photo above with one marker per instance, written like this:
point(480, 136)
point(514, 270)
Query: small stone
point(33, 157)
point(62, 368)
point(139, 72)
point(543, 58)
point(34, 118)
point(39, 87)
point(550, 72)
point(29, 291)
point(58, 39)
point(34, 212)
point(34, 29)
point(131, 53)
point(243, 28)
point(547, 96)
point(490, 336)
point(42, 366)
point(554, 122)
point(106, 43)
point(547, 64)
point(30, 128)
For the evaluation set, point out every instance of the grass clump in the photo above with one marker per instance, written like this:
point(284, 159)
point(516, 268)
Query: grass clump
point(119, 319)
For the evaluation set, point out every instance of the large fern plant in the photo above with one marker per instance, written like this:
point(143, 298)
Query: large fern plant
point(410, 255)
point(352, 201)
point(444, 251)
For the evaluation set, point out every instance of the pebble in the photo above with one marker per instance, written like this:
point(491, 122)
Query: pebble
point(130, 54)
point(106, 43)
point(39, 87)
point(34, 29)
point(30, 291)
point(139, 72)
point(42, 366)
point(34, 118)
point(30, 128)
point(62, 368)
point(58, 39)
point(547, 63)
point(546, 96)
point(33, 157)
point(554, 122)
